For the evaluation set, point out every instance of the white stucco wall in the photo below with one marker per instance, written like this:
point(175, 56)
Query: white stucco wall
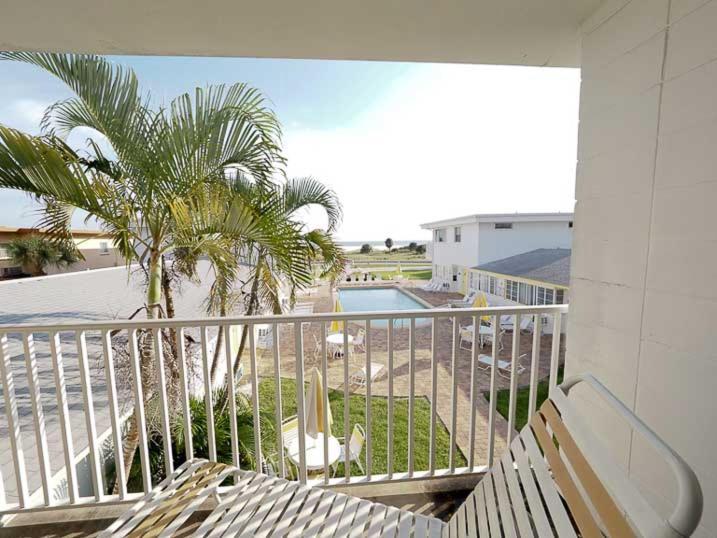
point(523, 237)
point(643, 288)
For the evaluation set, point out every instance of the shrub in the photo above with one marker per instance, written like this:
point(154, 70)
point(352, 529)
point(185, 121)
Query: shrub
point(420, 249)
point(366, 248)
point(412, 246)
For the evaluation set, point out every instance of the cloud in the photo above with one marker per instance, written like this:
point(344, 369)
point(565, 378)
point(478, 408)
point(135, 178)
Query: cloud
point(24, 115)
point(451, 140)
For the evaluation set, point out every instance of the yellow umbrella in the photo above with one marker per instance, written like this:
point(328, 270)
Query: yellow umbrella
point(481, 302)
point(315, 407)
point(337, 326)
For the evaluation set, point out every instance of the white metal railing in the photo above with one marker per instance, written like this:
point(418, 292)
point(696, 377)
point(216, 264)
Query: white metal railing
point(35, 374)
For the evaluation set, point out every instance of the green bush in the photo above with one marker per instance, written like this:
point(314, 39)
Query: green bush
point(366, 248)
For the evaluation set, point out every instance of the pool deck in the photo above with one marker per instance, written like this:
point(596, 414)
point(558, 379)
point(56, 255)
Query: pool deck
point(323, 302)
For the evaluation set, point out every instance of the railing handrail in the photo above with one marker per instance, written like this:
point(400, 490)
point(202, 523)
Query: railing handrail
point(443, 351)
point(114, 324)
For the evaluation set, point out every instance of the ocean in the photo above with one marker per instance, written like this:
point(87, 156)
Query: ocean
point(397, 243)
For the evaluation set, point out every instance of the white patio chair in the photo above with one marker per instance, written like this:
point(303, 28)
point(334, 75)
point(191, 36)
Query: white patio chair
point(466, 338)
point(430, 285)
point(359, 377)
point(358, 437)
point(359, 341)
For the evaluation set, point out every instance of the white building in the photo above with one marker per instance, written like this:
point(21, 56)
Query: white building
point(473, 240)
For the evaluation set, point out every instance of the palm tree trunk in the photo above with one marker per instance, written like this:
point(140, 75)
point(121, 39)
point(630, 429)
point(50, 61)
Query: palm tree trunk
point(154, 296)
point(218, 346)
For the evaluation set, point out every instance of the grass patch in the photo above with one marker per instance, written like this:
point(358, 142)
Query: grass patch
point(417, 274)
point(379, 427)
point(521, 410)
point(383, 255)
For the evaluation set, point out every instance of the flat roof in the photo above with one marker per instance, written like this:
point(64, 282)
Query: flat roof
point(29, 230)
point(499, 217)
point(549, 265)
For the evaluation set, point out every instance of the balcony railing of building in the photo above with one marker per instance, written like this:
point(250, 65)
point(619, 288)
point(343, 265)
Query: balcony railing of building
point(58, 381)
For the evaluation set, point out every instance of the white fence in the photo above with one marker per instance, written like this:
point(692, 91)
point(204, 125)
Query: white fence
point(60, 381)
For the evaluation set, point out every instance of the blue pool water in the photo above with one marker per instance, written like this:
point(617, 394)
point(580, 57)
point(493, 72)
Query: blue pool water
point(380, 299)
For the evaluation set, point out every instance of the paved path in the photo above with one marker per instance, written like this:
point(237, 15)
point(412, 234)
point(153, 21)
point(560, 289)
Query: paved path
point(69, 298)
point(423, 380)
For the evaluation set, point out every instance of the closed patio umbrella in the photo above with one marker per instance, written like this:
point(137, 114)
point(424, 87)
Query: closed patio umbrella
point(337, 326)
point(315, 406)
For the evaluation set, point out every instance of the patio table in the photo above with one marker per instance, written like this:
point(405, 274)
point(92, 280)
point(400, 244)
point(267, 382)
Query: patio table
point(314, 451)
point(484, 332)
point(336, 343)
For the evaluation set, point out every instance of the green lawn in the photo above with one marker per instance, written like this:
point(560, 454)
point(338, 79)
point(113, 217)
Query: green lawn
point(417, 274)
point(521, 410)
point(379, 427)
point(383, 255)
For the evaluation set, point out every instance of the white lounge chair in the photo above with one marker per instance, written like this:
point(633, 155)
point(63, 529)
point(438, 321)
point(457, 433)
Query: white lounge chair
point(485, 362)
point(507, 321)
point(534, 489)
point(359, 377)
point(466, 302)
point(429, 286)
point(358, 437)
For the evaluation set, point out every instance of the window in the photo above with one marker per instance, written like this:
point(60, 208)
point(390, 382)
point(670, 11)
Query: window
point(440, 236)
point(511, 290)
point(4, 254)
point(454, 273)
point(492, 285)
point(104, 247)
point(503, 225)
point(559, 296)
point(570, 224)
point(544, 296)
point(457, 234)
point(526, 294)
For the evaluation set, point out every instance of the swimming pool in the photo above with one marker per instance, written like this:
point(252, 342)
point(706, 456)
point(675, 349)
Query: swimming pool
point(381, 299)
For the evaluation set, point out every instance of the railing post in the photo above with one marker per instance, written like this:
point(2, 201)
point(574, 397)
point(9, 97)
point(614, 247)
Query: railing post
point(231, 396)
point(33, 379)
point(63, 410)
point(184, 394)
point(535, 365)
point(325, 397)
point(369, 448)
point(473, 393)
point(515, 357)
point(300, 405)
point(555, 350)
point(208, 396)
point(139, 411)
point(493, 391)
point(255, 399)
point(454, 397)
point(347, 402)
point(164, 403)
point(277, 401)
point(13, 423)
point(434, 398)
point(389, 345)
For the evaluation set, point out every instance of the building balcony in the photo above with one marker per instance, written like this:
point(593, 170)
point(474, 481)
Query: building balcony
point(72, 390)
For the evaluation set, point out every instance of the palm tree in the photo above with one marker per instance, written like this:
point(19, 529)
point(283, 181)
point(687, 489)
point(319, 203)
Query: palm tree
point(161, 185)
point(284, 201)
point(34, 253)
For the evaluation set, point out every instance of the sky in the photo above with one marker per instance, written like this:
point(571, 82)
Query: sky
point(400, 143)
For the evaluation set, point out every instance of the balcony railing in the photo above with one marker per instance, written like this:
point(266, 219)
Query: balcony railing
point(67, 397)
